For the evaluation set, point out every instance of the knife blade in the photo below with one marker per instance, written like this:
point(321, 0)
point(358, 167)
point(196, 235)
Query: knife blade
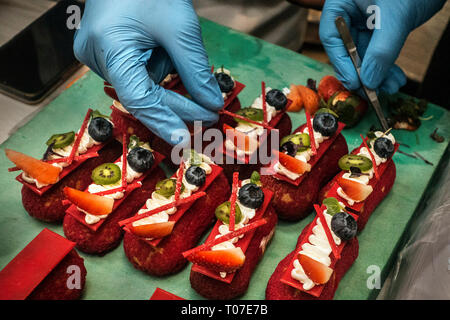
point(342, 27)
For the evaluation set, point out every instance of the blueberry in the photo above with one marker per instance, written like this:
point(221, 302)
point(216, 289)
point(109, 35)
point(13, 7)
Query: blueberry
point(325, 123)
point(196, 176)
point(344, 226)
point(289, 148)
point(226, 84)
point(276, 98)
point(140, 159)
point(251, 196)
point(383, 147)
point(100, 129)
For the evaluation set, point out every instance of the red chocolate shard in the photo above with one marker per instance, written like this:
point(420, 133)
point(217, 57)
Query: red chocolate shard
point(30, 267)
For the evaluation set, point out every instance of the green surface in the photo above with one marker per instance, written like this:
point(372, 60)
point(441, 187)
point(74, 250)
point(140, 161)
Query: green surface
point(251, 60)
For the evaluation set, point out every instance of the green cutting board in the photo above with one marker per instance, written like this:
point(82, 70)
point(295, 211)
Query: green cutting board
point(251, 61)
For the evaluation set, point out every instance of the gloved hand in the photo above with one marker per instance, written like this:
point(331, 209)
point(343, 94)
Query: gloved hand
point(378, 48)
point(134, 44)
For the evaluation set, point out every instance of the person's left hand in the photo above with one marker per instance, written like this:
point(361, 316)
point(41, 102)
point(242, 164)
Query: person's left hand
point(134, 44)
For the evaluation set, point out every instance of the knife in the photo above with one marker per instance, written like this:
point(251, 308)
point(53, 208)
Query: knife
point(353, 53)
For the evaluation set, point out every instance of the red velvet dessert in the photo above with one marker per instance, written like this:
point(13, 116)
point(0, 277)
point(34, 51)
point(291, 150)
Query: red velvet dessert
point(303, 168)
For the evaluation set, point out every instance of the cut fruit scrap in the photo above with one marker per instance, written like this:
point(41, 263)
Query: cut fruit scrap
point(91, 203)
point(165, 207)
point(179, 181)
point(328, 86)
point(233, 197)
point(153, 230)
point(81, 157)
point(327, 230)
point(76, 144)
point(43, 172)
point(291, 163)
point(235, 115)
point(226, 237)
point(124, 160)
point(374, 163)
point(228, 260)
point(240, 139)
point(303, 96)
point(315, 270)
point(264, 106)
point(311, 133)
point(355, 190)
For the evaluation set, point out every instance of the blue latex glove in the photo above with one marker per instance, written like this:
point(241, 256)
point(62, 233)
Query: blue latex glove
point(378, 48)
point(134, 44)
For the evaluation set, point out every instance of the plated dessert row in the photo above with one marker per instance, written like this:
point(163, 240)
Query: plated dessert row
point(104, 183)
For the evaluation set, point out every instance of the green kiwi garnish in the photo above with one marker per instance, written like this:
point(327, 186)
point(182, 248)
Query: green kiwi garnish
point(332, 205)
point(353, 160)
point(250, 113)
point(107, 173)
point(167, 187)
point(302, 140)
point(223, 213)
point(193, 157)
point(61, 140)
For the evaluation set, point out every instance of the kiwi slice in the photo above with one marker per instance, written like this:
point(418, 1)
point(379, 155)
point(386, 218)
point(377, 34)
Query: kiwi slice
point(223, 213)
point(167, 187)
point(353, 160)
point(332, 205)
point(107, 173)
point(250, 113)
point(61, 140)
point(302, 140)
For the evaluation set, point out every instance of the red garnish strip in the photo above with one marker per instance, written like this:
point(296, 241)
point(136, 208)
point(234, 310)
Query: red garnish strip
point(327, 231)
point(311, 132)
point(233, 200)
point(80, 216)
point(79, 136)
point(314, 159)
point(228, 236)
point(64, 172)
point(82, 157)
point(161, 294)
point(134, 185)
point(165, 207)
point(374, 163)
point(357, 206)
point(264, 106)
point(124, 160)
point(179, 181)
point(234, 115)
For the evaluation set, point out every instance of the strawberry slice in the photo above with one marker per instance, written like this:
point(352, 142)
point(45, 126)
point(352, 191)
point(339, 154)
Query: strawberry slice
point(355, 190)
point(228, 260)
point(315, 270)
point(240, 139)
point(92, 203)
point(154, 230)
point(292, 164)
point(43, 172)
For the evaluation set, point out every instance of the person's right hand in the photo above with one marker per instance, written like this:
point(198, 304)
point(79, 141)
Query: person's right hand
point(377, 48)
point(134, 44)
